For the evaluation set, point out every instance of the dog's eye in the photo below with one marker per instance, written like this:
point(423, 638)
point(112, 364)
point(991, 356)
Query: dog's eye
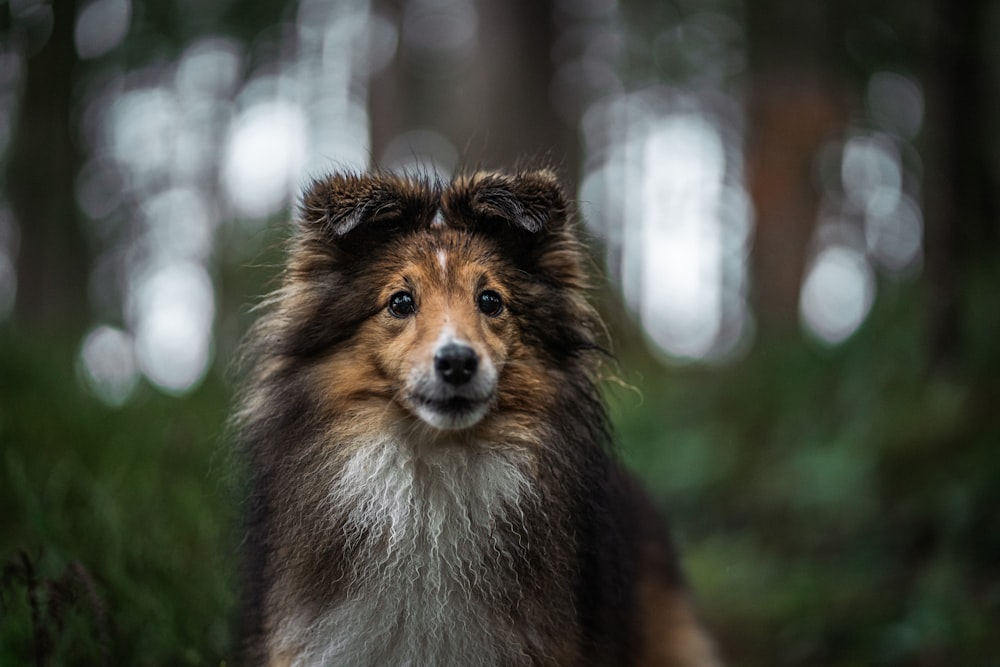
point(401, 304)
point(489, 303)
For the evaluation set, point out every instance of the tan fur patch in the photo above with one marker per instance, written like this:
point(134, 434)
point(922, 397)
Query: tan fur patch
point(672, 635)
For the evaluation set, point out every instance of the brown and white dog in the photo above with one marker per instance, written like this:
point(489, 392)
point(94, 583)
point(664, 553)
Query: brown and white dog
point(431, 469)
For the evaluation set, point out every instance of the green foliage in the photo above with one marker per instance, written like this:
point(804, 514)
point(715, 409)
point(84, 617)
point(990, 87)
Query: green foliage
point(135, 499)
point(835, 506)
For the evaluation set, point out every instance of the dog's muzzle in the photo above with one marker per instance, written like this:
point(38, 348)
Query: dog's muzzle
point(457, 390)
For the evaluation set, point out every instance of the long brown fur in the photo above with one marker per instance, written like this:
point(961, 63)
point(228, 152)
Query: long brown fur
point(482, 523)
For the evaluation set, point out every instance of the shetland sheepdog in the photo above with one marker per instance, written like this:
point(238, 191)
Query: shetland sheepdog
point(431, 467)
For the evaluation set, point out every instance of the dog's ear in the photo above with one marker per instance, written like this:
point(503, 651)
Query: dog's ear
point(343, 206)
point(530, 201)
point(527, 215)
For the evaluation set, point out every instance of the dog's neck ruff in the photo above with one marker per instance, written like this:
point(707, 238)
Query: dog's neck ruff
point(422, 521)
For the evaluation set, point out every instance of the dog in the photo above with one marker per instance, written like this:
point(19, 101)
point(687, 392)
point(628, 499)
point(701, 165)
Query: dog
point(432, 478)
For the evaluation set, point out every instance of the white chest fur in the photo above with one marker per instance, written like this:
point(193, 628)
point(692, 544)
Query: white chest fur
point(423, 519)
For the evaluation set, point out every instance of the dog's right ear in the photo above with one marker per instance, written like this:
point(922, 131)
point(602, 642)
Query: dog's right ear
point(343, 206)
point(529, 202)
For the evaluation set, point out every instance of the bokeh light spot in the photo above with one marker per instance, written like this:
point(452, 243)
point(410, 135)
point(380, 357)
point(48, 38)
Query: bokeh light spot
point(173, 308)
point(101, 26)
point(872, 173)
point(264, 157)
point(143, 125)
point(210, 67)
point(682, 177)
point(837, 293)
point(896, 103)
point(179, 224)
point(895, 238)
point(107, 362)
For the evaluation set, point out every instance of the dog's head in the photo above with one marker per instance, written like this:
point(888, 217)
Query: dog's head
point(435, 306)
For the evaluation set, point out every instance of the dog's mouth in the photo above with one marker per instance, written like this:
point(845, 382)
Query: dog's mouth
point(452, 412)
point(454, 404)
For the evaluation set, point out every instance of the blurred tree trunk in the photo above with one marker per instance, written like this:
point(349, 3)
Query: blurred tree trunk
point(790, 120)
point(492, 104)
point(518, 115)
point(794, 108)
point(53, 259)
point(961, 201)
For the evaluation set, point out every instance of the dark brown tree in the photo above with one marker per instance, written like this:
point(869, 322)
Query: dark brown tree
point(54, 259)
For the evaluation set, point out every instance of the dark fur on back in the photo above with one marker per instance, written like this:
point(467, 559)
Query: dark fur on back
point(557, 580)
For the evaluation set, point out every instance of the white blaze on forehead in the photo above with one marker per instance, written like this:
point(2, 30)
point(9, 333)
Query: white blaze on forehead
point(438, 219)
point(442, 260)
point(447, 335)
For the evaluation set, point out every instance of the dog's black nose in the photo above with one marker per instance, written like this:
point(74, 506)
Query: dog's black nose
point(456, 363)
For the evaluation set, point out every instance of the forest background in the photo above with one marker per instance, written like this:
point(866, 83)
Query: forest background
point(794, 205)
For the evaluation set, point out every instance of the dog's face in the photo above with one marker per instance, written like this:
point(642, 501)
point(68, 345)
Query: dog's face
point(441, 307)
point(445, 332)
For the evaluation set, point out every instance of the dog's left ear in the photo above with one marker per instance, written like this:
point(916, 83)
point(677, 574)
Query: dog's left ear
point(530, 201)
